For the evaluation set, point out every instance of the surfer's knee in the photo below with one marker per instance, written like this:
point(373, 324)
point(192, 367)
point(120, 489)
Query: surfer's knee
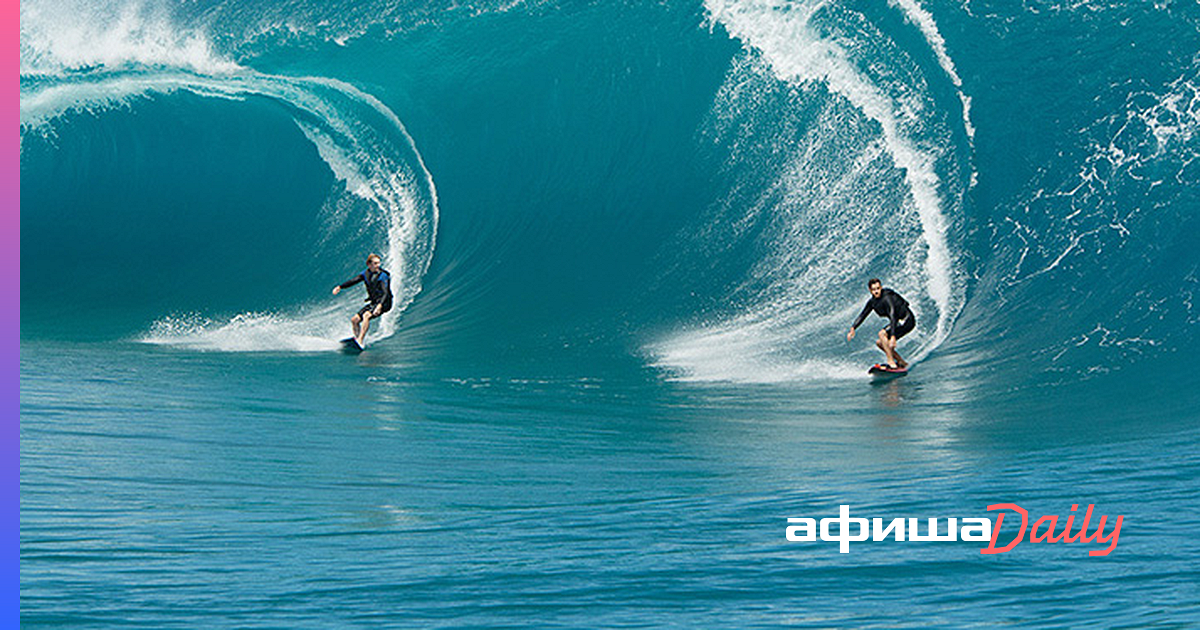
point(356, 319)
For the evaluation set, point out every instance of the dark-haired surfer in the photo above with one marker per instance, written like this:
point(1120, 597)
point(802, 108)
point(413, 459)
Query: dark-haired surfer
point(379, 296)
point(887, 303)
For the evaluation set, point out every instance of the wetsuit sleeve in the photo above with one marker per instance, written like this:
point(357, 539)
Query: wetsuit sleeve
point(893, 321)
point(386, 280)
point(863, 315)
point(351, 282)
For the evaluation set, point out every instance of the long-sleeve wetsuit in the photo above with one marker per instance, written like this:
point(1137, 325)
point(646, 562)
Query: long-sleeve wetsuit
point(889, 304)
point(379, 290)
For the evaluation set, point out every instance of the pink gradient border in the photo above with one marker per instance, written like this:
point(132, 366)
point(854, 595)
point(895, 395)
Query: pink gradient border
point(10, 320)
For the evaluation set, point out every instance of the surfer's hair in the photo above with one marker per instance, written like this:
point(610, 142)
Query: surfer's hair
point(872, 282)
point(371, 257)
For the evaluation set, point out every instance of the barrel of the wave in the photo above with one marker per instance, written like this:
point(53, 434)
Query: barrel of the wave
point(369, 189)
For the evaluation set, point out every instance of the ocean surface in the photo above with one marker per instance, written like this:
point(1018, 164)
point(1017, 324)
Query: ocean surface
point(627, 240)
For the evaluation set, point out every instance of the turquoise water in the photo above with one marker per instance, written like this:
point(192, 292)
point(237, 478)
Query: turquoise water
point(628, 240)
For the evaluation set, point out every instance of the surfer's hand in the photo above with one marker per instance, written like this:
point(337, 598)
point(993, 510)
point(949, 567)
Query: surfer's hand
point(337, 289)
point(377, 311)
point(850, 335)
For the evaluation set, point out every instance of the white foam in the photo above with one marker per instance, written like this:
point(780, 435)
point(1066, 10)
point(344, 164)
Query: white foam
point(67, 35)
point(249, 332)
point(733, 355)
point(1174, 116)
point(744, 350)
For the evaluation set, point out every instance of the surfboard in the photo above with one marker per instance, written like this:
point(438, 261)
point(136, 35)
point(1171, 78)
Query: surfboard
point(882, 371)
point(350, 346)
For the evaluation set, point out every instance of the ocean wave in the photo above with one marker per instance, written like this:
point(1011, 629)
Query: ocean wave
point(364, 144)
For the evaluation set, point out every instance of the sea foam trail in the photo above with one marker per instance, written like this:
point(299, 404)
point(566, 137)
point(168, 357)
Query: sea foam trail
point(923, 19)
point(819, 248)
point(361, 140)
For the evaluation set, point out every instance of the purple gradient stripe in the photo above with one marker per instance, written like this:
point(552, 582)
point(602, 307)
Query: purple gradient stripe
point(10, 320)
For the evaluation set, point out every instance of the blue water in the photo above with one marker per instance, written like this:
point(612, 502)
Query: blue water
point(627, 242)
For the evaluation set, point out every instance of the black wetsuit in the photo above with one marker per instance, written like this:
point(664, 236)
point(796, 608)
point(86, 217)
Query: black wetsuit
point(379, 290)
point(889, 304)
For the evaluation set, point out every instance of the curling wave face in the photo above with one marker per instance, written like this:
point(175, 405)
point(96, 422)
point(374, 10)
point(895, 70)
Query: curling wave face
point(382, 195)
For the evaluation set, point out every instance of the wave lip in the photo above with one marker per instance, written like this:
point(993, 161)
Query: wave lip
point(923, 19)
point(63, 36)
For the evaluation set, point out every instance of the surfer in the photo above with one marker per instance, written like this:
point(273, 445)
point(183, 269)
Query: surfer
point(887, 303)
point(379, 296)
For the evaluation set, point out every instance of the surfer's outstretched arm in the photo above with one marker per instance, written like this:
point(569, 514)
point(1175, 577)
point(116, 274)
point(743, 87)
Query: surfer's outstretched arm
point(349, 283)
point(866, 310)
point(858, 322)
point(352, 281)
